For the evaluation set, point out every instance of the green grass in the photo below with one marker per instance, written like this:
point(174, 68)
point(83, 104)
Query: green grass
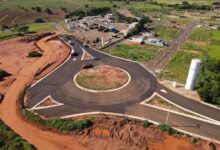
point(190, 1)
point(71, 5)
point(166, 33)
point(39, 27)
point(134, 52)
point(9, 140)
point(211, 37)
point(33, 28)
point(178, 67)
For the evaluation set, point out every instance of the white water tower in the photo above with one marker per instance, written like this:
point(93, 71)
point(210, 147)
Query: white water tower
point(193, 71)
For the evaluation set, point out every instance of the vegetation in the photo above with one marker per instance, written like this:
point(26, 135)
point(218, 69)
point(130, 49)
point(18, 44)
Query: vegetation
point(178, 67)
point(3, 74)
point(145, 124)
point(167, 128)
point(63, 125)
point(194, 140)
point(34, 54)
point(11, 141)
point(208, 81)
point(134, 52)
point(140, 26)
point(166, 33)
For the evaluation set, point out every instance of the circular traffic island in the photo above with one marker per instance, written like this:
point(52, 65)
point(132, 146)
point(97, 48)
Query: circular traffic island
point(102, 79)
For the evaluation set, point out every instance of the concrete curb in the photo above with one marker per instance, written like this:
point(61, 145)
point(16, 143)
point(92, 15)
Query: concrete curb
point(35, 107)
point(213, 120)
point(72, 50)
point(102, 91)
point(138, 118)
point(84, 51)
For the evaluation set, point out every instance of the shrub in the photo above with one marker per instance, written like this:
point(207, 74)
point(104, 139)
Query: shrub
point(34, 54)
point(146, 124)
point(3, 74)
point(39, 20)
point(12, 141)
point(64, 125)
point(194, 140)
point(167, 128)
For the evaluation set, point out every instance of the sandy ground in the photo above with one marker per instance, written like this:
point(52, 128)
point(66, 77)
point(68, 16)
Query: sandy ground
point(103, 77)
point(115, 133)
point(44, 140)
point(13, 57)
point(86, 56)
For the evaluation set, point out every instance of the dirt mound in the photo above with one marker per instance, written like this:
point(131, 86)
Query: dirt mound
point(35, 37)
point(115, 133)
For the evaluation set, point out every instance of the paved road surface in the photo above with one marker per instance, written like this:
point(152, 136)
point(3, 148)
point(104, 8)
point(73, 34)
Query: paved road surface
point(143, 84)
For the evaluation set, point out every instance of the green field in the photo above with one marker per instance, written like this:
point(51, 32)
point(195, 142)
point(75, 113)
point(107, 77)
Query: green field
point(56, 4)
point(178, 67)
point(33, 28)
point(190, 1)
point(134, 52)
point(11, 141)
point(166, 33)
point(210, 39)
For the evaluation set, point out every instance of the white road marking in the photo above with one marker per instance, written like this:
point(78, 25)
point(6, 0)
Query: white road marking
point(164, 91)
point(74, 59)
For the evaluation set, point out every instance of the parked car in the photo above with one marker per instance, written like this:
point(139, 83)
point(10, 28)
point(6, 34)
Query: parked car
point(87, 66)
point(74, 54)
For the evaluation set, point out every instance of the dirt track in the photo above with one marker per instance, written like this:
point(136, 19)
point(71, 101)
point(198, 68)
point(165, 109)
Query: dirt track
point(8, 112)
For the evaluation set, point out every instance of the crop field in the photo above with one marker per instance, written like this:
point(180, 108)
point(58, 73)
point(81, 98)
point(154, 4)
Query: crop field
point(134, 52)
point(204, 40)
point(190, 1)
point(56, 4)
point(178, 67)
point(166, 33)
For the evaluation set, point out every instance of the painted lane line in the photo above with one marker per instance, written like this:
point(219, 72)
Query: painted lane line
point(164, 91)
point(36, 107)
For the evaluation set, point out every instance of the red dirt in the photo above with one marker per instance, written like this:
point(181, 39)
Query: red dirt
point(86, 56)
point(110, 133)
point(47, 102)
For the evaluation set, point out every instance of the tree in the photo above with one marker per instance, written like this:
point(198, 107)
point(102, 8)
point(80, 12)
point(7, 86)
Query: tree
point(208, 81)
point(48, 11)
point(23, 29)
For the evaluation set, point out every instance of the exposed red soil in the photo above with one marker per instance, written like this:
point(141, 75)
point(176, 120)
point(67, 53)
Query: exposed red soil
point(102, 77)
point(114, 133)
point(22, 17)
point(42, 139)
point(86, 56)
point(47, 102)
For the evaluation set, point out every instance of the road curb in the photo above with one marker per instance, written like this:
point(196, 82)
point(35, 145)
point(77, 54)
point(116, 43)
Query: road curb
point(102, 91)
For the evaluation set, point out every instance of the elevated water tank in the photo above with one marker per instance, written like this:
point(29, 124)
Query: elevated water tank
point(193, 71)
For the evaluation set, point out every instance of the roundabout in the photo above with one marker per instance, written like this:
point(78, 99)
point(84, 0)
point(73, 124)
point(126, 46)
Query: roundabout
point(103, 78)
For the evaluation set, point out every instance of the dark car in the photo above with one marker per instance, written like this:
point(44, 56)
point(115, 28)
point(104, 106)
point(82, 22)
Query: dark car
point(74, 54)
point(87, 66)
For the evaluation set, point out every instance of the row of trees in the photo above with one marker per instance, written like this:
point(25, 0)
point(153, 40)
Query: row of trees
point(140, 26)
point(90, 12)
point(10, 140)
point(208, 81)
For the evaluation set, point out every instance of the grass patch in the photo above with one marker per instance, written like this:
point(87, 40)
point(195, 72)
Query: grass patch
point(168, 129)
point(178, 67)
point(211, 37)
point(9, 140)
point(34, 54)
point(39, 27)
point(166, 33)
point(134, 52)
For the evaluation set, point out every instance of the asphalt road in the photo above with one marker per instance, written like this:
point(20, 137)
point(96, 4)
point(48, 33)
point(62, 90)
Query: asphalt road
point(143, 84)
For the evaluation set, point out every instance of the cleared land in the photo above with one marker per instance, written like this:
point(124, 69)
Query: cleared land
point(102, 78)
point(135, 52)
